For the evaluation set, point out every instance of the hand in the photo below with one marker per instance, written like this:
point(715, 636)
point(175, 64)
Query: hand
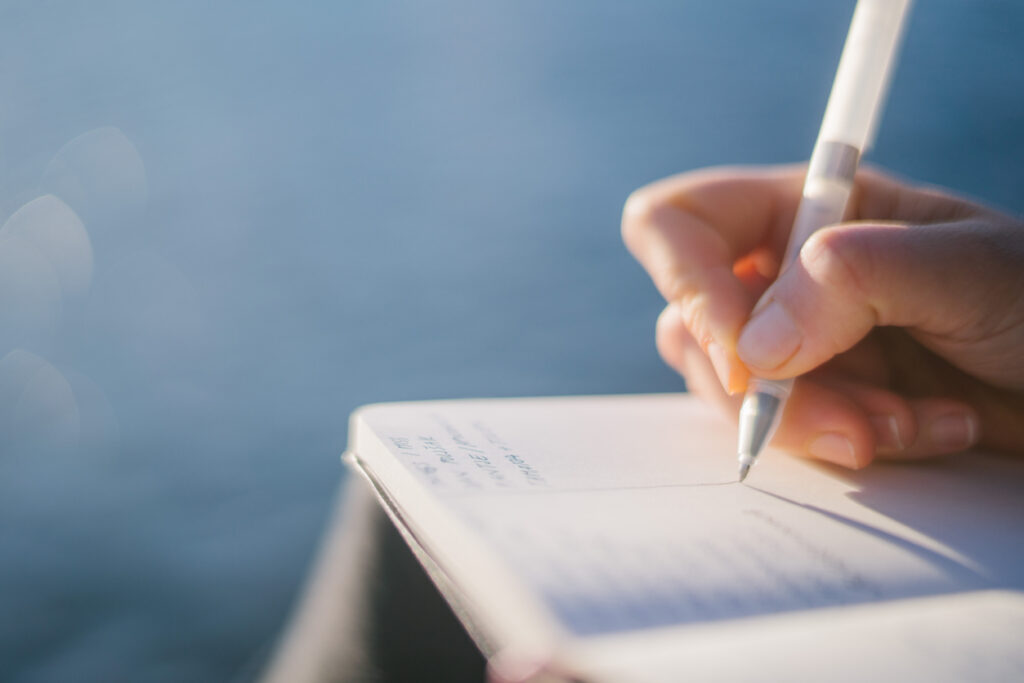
point(908, 319)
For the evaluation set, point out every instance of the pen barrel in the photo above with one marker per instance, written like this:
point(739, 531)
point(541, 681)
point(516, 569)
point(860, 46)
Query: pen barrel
point(865, 69)
point(826, 192)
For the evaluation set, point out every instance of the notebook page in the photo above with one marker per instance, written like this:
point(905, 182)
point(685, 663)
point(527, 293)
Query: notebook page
point(964, 637)
point(624, 513)
point(549, 444)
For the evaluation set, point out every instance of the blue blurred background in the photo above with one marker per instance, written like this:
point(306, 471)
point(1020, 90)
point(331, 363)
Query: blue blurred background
point(226, 225)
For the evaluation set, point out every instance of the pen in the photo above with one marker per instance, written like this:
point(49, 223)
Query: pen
point(847, 129)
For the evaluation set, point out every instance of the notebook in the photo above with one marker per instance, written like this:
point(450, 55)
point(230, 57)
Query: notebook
point(608, 537)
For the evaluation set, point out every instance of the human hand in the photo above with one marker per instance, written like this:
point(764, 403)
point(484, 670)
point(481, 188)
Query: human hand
point(908, 319)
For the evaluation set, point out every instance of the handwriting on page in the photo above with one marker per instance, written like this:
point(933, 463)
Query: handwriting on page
point(467, 458)
point(482, 447)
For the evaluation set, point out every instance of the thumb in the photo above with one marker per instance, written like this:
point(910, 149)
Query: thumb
point(853, 276)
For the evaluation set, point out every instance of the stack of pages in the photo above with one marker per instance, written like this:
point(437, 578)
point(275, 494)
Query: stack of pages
point(609, 538)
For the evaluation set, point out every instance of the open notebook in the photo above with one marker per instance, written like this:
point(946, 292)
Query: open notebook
point(609, 537)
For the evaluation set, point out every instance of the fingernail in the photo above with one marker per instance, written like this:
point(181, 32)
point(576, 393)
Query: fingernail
point(834, 448)
point(769, 339)
point(887, 434)
point(955, 431)
point(722, 364)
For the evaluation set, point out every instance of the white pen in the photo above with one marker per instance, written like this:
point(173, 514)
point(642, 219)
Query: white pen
point(851, 117)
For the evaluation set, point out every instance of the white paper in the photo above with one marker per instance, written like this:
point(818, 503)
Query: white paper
point(964, 637)
point(625, 513)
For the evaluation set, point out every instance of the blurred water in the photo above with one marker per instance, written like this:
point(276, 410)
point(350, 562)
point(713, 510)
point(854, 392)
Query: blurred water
point(226, 225)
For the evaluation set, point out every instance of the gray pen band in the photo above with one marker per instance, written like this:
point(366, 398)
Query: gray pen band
point(825, 194)
point(835, 161)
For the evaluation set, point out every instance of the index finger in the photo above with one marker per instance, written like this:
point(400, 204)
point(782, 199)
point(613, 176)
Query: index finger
point(689, 230)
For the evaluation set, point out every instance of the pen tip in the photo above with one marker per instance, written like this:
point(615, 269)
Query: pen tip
point(744, 468)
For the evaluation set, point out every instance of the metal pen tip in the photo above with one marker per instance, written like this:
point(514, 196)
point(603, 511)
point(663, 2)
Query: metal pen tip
point(744, 469)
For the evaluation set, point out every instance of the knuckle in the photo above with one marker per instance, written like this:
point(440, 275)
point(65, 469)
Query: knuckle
point(671, 330)
point(685, 293)
point(693, 315)
point(841, 260)
point(680, 287)
point(668, 323)
point(670, 336)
